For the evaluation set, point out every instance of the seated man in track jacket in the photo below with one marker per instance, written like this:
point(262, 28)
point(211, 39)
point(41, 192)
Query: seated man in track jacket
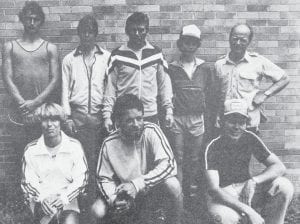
point(132, 161)
point(54, 171)
point(138, 68)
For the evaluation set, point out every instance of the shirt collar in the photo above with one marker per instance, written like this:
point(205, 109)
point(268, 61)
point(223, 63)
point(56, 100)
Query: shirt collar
point(42, 148)
point(78, 50)
point(178, 62)
point(246, 58)
point(124, 47)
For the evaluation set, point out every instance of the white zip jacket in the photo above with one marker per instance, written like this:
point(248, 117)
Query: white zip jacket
point(44, 175)
point(81, 90)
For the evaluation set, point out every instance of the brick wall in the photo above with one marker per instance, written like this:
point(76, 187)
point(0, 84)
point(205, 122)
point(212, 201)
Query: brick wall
point(277, 35)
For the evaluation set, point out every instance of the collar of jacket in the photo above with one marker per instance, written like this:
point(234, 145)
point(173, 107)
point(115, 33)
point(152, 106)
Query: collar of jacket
point(78, 50)
point(42, 148)
point(178, 62)
point(124, 47)
point(246, 58)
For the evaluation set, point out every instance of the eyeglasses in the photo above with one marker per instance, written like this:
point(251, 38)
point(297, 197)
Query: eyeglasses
point(241, 39)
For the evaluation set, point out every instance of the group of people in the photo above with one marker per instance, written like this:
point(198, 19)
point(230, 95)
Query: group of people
point(100, 150)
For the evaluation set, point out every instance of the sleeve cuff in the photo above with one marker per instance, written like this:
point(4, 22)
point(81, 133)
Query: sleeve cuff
point(139, 184)
point(169, 111)
point(106, 115)
point(64, 199)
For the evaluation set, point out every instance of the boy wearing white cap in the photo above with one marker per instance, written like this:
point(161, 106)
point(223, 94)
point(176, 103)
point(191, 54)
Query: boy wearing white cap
point(190, 78)
point(235, 196)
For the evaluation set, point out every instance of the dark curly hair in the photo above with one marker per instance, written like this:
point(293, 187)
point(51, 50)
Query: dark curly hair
point(124, 103)
point(137, 18)
point(34, 8)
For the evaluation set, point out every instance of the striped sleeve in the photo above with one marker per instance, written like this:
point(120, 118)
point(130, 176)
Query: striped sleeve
point(164, 162)
point(30, 180)
point(105, 174)
point(79, 175)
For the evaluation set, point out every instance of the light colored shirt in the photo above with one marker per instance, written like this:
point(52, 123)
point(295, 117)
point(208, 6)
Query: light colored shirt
point(64, 174)
point(83, 86)
point(242, 79)
point(145, 163)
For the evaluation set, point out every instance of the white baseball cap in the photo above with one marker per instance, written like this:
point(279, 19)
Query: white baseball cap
point(191, 30)
point(236, 106)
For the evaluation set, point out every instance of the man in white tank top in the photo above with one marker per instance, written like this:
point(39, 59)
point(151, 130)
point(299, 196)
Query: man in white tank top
point(30, 75)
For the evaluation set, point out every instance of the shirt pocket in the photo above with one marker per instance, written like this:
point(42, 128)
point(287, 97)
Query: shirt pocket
point(247, 81)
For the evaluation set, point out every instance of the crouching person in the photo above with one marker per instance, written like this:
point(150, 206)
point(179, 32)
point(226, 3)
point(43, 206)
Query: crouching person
point(234, 195)
point(132, 161)
point(54, 171)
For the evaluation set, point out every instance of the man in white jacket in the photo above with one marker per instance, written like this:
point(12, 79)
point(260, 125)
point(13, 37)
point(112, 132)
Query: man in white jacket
point(132, 161)
point(54, 171)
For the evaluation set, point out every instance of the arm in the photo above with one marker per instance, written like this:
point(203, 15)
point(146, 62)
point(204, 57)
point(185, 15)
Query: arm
point(7, 73)
point(67, 86)
point(274, 168)
point(164, 162)
point(105, 180)
point(110, 95)
point(30, 181)
point(79, 176)
point(279, 77)
point(218, 194)
point(164, 87)
point(30, 105)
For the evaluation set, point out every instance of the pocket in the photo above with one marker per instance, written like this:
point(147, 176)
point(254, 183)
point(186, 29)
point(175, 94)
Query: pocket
point(247, 81)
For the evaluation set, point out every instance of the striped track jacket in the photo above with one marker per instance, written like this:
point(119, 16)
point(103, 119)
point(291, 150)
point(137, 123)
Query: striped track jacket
point(43, 175)
point(145, 78)
point(145, 163)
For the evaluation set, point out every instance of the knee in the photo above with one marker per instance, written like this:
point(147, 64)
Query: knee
point(69, 217)
point(284, 187)
point(173, 187)
point(223, 215)
point(99, 209)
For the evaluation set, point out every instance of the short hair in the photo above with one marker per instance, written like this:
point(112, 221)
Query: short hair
point(137, 18)
point(88, 22)
point(124, 103)
point(245, 24)
point(52, 111)
point(34, 8)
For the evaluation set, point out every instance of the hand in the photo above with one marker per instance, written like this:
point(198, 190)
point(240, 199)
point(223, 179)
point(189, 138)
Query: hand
point(47, 208)
point(127, 188)
point(108, 124)
point(248, 192)
point(27, 107)
point(255, 218)
point(58, 203)
point(218, 122)
point(169, 120)
point(121, 206)
point(70, 127)
point(259, 98)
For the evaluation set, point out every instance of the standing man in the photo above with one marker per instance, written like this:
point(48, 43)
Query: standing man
point(132, 161)
point(239, 74)
point(138, 68)
point(83, 73)
point(234, 194)
point(30, 75)
point(190, 78)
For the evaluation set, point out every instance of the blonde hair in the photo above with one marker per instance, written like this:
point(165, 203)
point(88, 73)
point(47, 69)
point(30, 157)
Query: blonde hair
point(51, 110)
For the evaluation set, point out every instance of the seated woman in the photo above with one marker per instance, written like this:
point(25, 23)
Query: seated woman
point(54, 171)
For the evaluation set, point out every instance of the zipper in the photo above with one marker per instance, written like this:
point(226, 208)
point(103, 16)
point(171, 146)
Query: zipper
point(89, 76)
point(140, 83)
